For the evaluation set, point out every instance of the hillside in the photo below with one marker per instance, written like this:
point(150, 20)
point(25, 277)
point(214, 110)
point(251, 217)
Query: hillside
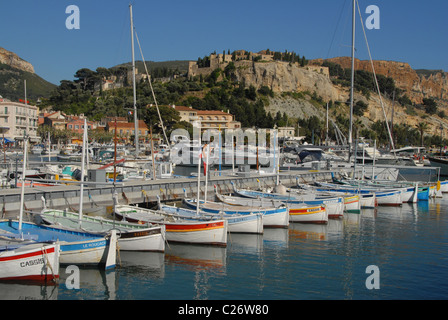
point(417, 84)
point(179, 66)
point(13, 72)
point(260, 89)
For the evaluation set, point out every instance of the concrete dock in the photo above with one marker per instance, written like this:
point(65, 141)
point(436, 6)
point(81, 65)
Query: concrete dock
point(98, 197)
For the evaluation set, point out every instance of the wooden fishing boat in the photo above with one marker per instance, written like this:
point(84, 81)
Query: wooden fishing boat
point(31, 262)
point(423, 193)
point(333, 205)
point(273, 216)
point(352, 203)
point(178, 229)
point(308, 214)
point(385, 197)
point(296, 212)
point(237, 223)
point(131, 236)
point(78, 248)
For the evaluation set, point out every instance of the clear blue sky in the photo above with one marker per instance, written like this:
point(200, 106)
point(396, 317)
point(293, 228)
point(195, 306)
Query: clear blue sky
point(412, 31)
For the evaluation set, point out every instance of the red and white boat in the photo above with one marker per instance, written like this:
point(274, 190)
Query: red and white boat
point(35, 262)
point(179, 229)
point(308, 214)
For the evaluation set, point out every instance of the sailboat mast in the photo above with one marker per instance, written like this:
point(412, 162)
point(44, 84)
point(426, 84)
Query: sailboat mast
point(350, 134)
point(134, 84)
point(83, 159)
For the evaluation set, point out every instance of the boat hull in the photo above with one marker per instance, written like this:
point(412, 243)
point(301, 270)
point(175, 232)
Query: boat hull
point(274, 218)
point(237, 223)
point(145, 240)
point(307, 214)
point(31, 263)
point(389, 198)
point(211, 233)
point(79, 248)
point(194, 232)
point(131, 237)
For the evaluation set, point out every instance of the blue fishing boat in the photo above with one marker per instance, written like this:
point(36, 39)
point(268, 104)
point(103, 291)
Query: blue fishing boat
point(237, 223)
point(274, 216)
point(423, 193)
point(78, 248)
point(334, 204)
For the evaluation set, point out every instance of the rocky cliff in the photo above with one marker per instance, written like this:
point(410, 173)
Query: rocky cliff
point(287, 77)
point(13, 60)
point(417, 86)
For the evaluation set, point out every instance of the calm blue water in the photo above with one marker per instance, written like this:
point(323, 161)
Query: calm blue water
point(409, 245)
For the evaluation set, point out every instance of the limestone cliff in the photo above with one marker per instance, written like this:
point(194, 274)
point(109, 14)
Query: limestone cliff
point(287, 77)
point(416, 86)
point(13, 60)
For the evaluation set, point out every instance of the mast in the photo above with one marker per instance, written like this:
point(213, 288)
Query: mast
point(134, 85)
point(198, 123)
point(83, 159)
point(22, 191)
point(350, 137)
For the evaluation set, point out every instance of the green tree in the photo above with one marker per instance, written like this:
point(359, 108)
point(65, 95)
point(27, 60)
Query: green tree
point(430, 105)
point(422, 127)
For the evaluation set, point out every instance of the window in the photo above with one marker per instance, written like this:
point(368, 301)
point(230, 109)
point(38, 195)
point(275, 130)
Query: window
point(76, 126)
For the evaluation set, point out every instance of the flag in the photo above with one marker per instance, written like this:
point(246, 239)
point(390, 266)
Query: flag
point(203, 160)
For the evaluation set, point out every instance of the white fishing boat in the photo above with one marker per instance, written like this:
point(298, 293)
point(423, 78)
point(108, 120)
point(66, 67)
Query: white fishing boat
point(131, 236)
point(78, 248)
point(237, 223)
point(384, 196)
point(297, 212)
point(37, 149)
point(178, 229)
point(31, 262)
point(334, 205)
point(274, 216)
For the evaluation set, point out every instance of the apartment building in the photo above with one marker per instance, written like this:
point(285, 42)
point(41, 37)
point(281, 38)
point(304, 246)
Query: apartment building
point(210, 119)
point(18, 119)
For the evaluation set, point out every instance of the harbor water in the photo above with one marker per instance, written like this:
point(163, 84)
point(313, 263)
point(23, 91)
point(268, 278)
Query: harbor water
point(379, 254)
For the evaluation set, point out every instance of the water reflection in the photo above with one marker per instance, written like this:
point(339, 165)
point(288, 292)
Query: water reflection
point(206, 262)
point(247, 243)
point(93, 284)
point(195, 257)
point(303, 231)
point(275, 238)
point(150, 263)
point(13, 291)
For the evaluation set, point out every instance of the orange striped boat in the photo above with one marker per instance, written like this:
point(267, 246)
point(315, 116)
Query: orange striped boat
point(308, 214)
point(179, 229)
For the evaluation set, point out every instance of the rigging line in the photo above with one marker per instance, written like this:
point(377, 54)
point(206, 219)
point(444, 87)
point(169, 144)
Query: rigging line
point(335, 29)
point(376, 80)
point(152, 90)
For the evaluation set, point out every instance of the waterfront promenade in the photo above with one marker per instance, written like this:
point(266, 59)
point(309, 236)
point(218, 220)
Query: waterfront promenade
point(97, 197)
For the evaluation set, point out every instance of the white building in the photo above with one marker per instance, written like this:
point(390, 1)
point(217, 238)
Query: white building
point(16, 119)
